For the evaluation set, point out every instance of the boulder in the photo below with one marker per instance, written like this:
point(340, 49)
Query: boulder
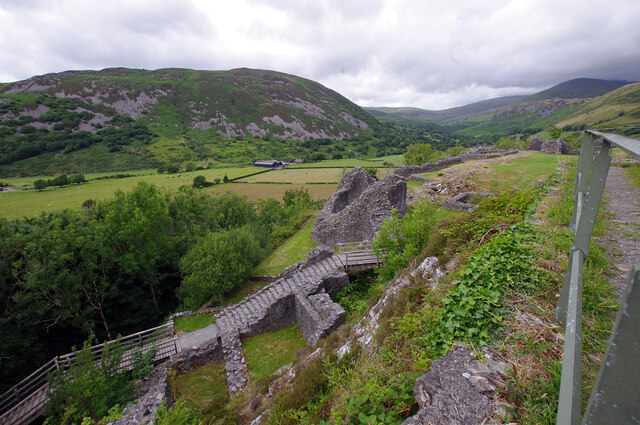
point(459, 389)
point(358, 208)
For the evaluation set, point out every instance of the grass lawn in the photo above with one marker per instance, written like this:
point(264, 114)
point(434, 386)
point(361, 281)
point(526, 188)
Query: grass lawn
point(204, 388)
point(191, 323)
point(521, 173)
point(268, 352)
point(293, 250)
point(307, 175)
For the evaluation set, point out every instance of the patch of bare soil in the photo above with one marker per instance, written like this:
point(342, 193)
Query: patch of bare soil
point(623, 239)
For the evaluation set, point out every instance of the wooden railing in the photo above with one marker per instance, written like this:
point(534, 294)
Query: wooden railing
point(615, 398)
point(357, 255)
point(27, 399)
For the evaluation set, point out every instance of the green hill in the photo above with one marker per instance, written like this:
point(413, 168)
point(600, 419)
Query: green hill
point(574, 105)
point(127, 118)
point(579, 88)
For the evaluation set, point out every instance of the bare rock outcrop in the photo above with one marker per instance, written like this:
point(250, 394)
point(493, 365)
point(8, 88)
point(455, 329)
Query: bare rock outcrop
point(358, 208)
point(458, 389)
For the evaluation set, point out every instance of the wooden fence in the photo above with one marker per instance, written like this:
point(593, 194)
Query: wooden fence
point(26, 400)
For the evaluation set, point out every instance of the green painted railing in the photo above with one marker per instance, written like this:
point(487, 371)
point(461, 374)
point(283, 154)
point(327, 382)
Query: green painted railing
point(615, 398)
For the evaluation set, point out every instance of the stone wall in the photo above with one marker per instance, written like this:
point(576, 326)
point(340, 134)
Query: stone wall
point(301, 294)
point(553, 146)
point(481, 153)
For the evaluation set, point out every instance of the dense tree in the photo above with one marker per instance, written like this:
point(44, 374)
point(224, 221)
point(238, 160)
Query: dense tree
point(138, 225)
point(420, 153)
point(40, 184)
point(217, 264)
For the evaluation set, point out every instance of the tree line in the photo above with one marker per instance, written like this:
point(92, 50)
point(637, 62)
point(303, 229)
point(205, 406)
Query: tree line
point(121, 265)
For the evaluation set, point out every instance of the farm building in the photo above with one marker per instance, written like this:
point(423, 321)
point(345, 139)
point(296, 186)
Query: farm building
point(272, 163)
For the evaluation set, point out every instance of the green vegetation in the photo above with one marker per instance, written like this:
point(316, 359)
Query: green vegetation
point(519, 173)
point(191, 323)
point(90, 390)
point(268, 352)
point(290, 252)
point(121, 265)
point(200, 390)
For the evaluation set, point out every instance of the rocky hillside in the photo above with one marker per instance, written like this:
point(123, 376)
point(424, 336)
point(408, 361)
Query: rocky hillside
point(119, 118)
point(236, 103)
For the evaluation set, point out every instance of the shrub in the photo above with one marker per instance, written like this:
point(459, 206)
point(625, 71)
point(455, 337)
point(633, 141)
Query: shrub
point(180, 414)
point(88, 389)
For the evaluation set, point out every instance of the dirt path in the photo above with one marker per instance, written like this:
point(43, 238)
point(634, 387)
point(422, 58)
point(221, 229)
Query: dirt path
point(624, 236)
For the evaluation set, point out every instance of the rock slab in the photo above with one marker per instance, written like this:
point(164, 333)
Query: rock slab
point(458, 389)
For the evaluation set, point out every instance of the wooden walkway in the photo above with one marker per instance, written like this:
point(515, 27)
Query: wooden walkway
point(357, 256)
point(25, 401)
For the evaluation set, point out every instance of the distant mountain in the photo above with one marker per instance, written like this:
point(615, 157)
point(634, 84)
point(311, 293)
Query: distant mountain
point(579, 88)
point(445, 115)
point(573, 103)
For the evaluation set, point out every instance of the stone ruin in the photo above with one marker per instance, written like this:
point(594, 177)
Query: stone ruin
point(481, 153)
point(358, 208)
point(553, 146)
point(301, 293)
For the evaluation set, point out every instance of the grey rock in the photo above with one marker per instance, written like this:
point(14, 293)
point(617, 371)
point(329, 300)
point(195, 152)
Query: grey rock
point(358, 208)
point(300, 294)
point(151, 391)
point(458, 388)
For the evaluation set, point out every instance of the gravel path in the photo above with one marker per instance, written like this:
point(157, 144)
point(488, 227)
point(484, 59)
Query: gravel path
point(195, 339)
point(624, 237)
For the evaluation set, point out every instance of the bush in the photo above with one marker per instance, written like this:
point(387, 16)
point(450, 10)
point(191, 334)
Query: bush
point(180, 414)
point(217, 264)
point(88, 389)
point(199, 181)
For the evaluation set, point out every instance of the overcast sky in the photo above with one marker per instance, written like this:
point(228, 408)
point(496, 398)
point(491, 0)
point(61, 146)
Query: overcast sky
point(430, 54)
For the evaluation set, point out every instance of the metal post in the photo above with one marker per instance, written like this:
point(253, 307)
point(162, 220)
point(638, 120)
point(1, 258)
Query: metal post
point(569, 403)
point(585, 213)
point(616, 395)
point(595, 189)
point(587, 149)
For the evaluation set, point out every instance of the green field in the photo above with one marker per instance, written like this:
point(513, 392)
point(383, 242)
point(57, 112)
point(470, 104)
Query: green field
point(307, 175)
point(521, 173)
point(396, 160)
point(255, 191)
point(31, 202)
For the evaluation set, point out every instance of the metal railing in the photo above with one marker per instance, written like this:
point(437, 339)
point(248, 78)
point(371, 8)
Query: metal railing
point(615, 398)
point(26, 400)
